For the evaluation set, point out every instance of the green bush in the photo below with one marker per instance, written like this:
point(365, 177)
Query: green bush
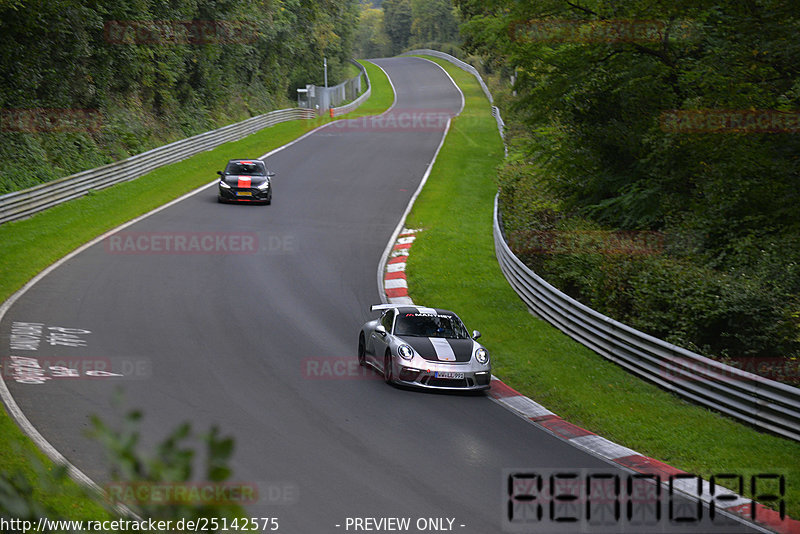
point(636, 278)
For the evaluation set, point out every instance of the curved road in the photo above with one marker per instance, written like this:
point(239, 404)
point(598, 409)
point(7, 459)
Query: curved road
point(256, 340)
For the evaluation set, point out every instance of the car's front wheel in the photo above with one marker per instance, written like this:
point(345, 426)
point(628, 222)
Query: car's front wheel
point(388, 375)
point(362, 350)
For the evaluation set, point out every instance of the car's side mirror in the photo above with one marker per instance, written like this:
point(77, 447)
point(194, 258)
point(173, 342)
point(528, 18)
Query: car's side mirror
point(381, 329)
point(270, 174)
point(219, 172)
point(475, 334)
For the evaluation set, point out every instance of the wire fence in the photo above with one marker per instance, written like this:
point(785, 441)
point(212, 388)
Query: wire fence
point(322, 99)
point(347, 108)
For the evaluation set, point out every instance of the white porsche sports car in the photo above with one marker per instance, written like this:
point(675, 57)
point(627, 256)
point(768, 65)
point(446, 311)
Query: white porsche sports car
point(424, 347)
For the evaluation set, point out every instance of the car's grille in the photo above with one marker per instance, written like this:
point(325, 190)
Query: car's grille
point(449, 382)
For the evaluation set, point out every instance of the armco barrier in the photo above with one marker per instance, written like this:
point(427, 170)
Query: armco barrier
point(20, 204)
point(754, 399)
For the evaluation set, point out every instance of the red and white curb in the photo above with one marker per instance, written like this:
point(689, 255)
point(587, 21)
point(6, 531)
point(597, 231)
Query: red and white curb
point(395, 286)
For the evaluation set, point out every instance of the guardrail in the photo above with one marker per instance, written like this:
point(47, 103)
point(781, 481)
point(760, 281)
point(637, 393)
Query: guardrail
point(21, 204)
point(753, 399)
point(347, 108)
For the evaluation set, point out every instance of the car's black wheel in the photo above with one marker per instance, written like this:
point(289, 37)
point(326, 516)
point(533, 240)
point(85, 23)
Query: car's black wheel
point(362, 351)
point(388, 376)
point(269, 200)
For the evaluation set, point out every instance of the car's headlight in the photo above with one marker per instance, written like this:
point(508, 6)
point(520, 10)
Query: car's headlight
point(223, 185)
point(405, 352)
point(482, 355)
point(265, 185)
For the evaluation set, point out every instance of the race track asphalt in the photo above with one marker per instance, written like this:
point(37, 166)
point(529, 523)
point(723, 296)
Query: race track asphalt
point(258, 342)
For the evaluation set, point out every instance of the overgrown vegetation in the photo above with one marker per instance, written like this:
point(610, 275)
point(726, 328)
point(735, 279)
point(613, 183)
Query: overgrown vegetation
point(146, 74)
point(158, 485)
point(675, 124)
point(140, 480)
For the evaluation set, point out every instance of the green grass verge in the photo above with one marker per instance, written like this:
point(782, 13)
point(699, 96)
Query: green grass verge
point(30, 245)
point(453, 266)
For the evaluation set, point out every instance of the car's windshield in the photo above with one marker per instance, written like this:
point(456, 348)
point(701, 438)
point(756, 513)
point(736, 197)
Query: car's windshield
point(430, 325)
point(245, 167)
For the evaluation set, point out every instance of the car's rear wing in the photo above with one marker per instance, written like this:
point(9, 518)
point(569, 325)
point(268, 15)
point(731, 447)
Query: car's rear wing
point(379, 307)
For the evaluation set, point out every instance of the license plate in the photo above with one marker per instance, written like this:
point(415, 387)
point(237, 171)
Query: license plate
point(244, 194)
point(448, 374)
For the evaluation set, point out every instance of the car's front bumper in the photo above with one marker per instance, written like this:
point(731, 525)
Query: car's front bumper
point(250, 194)
point(469, 377)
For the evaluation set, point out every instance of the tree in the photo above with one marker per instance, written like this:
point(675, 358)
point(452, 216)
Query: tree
point(397, 20)
point(371, 38)
point(433, 21)
point(122, 61)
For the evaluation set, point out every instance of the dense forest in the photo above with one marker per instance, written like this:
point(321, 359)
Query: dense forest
point(393, 26)
point(89, 82)
point(655, 162)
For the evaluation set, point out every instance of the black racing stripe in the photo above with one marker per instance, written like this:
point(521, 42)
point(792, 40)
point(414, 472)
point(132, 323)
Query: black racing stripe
point(462, 348)
point(423, 346)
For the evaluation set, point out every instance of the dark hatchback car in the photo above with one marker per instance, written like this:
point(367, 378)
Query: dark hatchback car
point(245, 180)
